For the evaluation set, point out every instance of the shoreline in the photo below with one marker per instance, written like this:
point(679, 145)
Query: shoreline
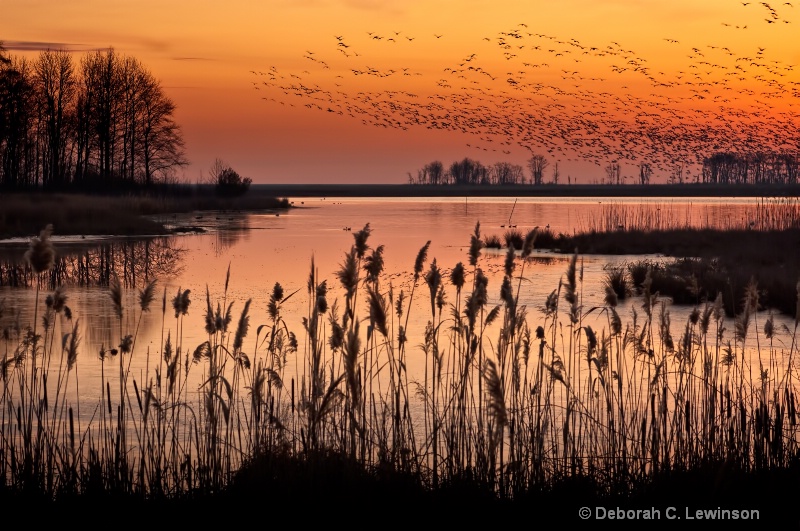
point(547, 190)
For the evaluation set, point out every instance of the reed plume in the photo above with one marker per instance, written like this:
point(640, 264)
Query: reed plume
point(40, 254)
point(433, 278)
point(146, 295)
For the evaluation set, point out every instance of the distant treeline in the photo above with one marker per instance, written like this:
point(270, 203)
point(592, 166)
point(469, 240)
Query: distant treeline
point(756, 168)
point(720, 168)
point(101, 123)
point(468, 171)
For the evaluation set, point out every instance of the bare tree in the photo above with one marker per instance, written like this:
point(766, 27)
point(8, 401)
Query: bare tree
point(160, 136)
point(556, 173)
point(506, 173)
point(56, 88)
point(468, 171)
point(537, 165)
point(645, 171)
point(17, 153)
point(613, 173)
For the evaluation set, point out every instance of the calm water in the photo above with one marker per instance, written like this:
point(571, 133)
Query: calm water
point(262, 249)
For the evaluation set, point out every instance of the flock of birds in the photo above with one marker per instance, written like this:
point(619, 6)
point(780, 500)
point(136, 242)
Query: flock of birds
point(527, 92)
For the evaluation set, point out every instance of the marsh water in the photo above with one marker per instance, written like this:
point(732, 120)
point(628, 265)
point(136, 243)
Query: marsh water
point(250, 252)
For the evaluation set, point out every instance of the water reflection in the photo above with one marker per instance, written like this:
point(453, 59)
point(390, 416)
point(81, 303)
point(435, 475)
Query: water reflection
point(133, 262)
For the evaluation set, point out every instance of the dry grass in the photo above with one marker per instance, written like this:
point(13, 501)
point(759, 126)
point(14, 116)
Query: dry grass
point(512, 405)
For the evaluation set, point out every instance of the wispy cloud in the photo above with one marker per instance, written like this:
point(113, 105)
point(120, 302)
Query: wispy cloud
point(37, 46)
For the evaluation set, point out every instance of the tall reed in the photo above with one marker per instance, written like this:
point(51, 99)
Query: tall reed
point(508, 397)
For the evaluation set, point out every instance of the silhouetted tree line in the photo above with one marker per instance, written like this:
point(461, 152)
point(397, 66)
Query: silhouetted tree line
point(754, 168)
point(468, 171)
point(103, 122)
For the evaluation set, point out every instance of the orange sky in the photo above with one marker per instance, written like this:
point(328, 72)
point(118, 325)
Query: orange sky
point(363, 90)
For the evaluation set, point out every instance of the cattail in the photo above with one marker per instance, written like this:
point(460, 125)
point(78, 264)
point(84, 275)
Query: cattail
point(322, 301)
point(441, 298)
point(742, 322)
point(115, 292)
point(422, 255)
point(225, 320)
point(705, 318)
point(434, 279)
point(146, 296)
point(492, 315)
point(401, 336)
point(227, 277)
point(475, 245)
point(312, 282)
point(495, 394)
point(243, 327)
point(336, 338)
point(56, 301)
point(361, 241)
point(72, 349)
point(126, 344)
point(457, 276)
point(201, 352)
point(211, 323)
point(591, 342)
point(377, 311)
point(399, 304)
point(769, 328)
point(507, 293)
point(373, 264)
point(508, 265)
point(180, 303)
point(694, 317)
point(348, 273)
point(530, 240)
point(481, 282)
point(616, 322)
point(570, 294)
point(273, 307)
point(168, 347)
point(352, 348)
point(40, 254)
point(551, 303)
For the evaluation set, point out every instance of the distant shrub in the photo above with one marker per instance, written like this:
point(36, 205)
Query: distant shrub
point(492, 242)
point(616, 280)
point(515, 238)
point(227, 181)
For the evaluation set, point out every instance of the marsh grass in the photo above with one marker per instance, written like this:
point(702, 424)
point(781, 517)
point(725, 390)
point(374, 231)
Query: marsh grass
point(492, 242)
point(768, 214)
point(513, 403)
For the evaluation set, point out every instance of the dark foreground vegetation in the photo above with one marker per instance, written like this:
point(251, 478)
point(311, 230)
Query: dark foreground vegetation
point(517, 412)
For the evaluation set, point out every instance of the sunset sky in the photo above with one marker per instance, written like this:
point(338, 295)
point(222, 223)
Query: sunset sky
point(369, 90)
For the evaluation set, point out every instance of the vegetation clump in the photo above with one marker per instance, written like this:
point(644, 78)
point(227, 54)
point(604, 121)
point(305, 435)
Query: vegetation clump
point(227, 181)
